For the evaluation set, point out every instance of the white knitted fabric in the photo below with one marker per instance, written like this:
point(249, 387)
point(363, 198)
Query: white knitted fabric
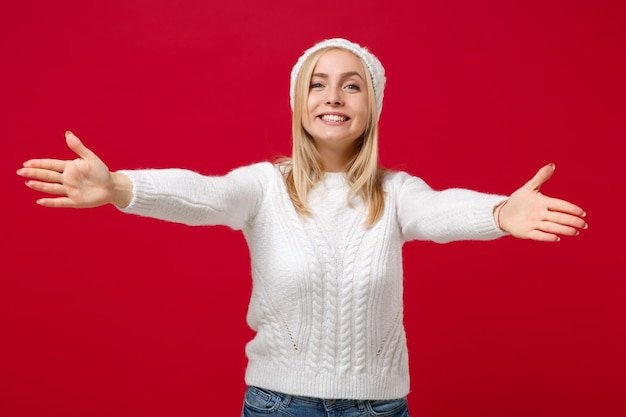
point(326, 303)
point(373, 64)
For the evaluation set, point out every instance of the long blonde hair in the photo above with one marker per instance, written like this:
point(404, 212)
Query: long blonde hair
point(305, 168)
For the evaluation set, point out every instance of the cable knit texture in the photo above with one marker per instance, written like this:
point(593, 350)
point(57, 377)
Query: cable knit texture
point(326, 301)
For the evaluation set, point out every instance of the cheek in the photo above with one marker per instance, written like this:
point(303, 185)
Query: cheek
point(306, 112)
point(364, 111)
point(306, 121)
point(311, 103)
point(363, 105)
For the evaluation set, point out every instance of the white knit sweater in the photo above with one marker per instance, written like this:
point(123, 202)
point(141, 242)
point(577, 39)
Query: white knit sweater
point(326, 302)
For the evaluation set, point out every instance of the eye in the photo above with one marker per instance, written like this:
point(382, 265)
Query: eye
point(316, 85)
point(354, 87)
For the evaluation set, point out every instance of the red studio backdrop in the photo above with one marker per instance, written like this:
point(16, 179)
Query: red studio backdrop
point(107, 314)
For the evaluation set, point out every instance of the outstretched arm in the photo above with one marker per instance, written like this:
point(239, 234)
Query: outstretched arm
point(528, 214)
point(79, 183)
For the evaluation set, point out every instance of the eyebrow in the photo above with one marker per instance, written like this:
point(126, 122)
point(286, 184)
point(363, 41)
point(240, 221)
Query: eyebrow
point(344, 75)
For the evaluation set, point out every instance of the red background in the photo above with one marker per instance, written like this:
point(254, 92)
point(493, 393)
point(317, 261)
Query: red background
point(106, 314)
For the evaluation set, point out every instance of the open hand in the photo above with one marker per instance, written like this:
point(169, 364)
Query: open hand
point(528, 214)
point(79, 183)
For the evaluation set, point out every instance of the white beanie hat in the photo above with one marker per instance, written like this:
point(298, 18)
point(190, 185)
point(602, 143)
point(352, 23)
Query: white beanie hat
point(376, 70)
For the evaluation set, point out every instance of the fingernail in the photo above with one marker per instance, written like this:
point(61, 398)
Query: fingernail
point(552, 165)
point(67, 133)
point(586, 226)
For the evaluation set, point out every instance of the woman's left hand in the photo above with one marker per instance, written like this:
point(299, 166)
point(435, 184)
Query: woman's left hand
point(528, 214)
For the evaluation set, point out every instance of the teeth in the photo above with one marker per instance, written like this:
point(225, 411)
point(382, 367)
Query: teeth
point(334, 118)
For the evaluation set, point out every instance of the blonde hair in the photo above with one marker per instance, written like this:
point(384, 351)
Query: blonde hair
point(305, 168)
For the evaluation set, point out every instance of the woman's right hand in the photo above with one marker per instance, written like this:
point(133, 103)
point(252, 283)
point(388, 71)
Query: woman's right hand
point(79, 183)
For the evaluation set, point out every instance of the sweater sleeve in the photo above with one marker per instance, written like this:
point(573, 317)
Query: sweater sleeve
point(190, 198)
point(444, 216)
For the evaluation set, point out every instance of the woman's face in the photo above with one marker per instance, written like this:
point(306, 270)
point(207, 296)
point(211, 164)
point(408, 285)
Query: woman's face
point(337, 105)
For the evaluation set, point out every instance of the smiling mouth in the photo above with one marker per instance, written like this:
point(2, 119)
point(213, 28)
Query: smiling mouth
point(333, 118)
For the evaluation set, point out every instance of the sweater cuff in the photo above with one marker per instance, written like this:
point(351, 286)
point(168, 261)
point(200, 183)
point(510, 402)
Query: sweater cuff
point(484, 217)
point(143, 193)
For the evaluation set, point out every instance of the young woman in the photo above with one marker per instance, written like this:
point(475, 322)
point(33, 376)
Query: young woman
point(325, 230)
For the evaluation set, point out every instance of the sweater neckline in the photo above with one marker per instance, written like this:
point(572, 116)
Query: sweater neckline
point(334, 178)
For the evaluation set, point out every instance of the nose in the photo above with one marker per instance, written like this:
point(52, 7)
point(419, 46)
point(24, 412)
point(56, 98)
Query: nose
point(335, 97)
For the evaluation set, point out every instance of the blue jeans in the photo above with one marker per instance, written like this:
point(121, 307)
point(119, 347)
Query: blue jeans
point(261, 402)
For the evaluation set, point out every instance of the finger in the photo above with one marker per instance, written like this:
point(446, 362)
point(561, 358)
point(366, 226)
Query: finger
point(77, 146)
point(541, 177)
point(45, 175)
point(52, 164)
point(55, 189)
point(57, 202)
point(542, 236)
point(555, 204)
point(566, 220)
point(558, 229)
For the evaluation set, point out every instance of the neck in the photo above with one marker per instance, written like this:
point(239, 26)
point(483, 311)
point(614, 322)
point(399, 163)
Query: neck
point(335, 160)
